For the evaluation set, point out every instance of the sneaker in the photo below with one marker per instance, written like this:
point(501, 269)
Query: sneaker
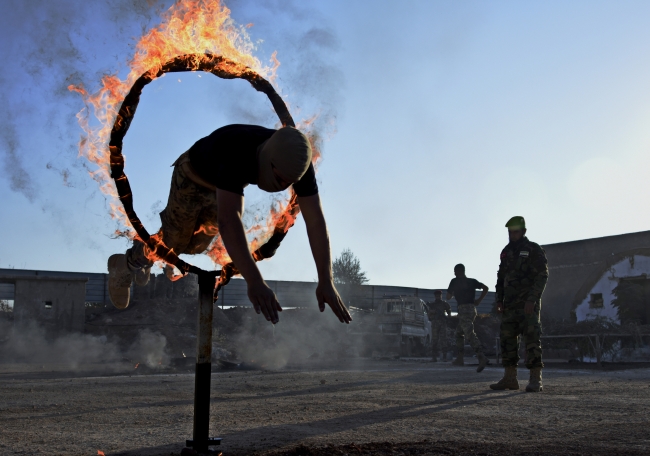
point(119, 281)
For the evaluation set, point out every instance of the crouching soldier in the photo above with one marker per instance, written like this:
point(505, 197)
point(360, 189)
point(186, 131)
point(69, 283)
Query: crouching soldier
point(521, 280)
point(436, 313)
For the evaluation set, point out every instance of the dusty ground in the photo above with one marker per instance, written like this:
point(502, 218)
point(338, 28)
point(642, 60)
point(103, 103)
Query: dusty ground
point(369, 407)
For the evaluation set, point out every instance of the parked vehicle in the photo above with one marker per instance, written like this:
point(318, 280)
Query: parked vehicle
point(395, 324)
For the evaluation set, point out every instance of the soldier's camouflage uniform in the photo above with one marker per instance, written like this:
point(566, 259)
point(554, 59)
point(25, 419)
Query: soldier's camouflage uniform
point(465, 329)
point(190, 209)
point(522, 276)
point(436, 312)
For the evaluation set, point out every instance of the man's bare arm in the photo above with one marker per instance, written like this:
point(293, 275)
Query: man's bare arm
point(319, 241)
point(231, 228)
point(485, 292)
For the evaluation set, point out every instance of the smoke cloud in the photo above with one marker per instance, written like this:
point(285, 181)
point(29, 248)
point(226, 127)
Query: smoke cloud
point(47, 46)
point(30, 344)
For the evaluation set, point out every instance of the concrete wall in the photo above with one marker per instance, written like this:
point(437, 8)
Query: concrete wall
point(576, 267)
point(56, 303)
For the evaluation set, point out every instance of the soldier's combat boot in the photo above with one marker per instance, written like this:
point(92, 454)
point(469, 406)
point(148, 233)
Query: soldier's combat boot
point(459, 361)
point(434, 359)
point(535, 380)
point(141, 276)
point(509, 380)
point(119, 281)
point(482, 362)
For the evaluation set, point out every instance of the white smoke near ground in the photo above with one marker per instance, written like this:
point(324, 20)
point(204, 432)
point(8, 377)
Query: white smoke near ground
point(30, 343)
point(303, 336)
point(149, 349)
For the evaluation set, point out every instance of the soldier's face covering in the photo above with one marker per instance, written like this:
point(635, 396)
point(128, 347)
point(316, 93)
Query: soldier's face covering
point(515, 235)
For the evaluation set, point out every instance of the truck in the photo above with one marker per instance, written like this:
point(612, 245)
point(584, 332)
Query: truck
point(395, 324)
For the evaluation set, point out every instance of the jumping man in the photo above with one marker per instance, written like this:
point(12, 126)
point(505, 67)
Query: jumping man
point(207, 190)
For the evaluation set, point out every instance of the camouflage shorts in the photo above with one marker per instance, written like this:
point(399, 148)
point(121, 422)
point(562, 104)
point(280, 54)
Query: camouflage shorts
point(515, 322)
point(465, 329)
point(191, 211)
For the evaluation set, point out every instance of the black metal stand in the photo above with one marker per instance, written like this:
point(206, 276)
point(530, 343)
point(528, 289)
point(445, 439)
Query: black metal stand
point(201, 440)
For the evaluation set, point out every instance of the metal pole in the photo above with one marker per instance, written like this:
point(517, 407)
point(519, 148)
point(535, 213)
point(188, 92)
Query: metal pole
point(201, 434)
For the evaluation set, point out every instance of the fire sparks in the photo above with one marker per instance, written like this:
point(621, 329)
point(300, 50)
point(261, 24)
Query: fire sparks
point(200, 29)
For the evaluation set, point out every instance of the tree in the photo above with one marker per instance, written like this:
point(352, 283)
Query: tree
point(347, 269)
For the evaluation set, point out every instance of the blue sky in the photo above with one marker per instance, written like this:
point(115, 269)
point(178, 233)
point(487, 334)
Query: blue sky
point(450, 117)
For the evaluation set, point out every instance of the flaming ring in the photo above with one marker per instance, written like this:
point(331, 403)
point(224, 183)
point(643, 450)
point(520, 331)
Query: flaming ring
point(223, 68)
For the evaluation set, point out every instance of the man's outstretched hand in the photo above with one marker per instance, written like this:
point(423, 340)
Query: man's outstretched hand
point(326, 293)
point(264, 301)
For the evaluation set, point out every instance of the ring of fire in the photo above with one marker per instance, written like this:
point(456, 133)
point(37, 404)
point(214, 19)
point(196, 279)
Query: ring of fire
point(223, 68)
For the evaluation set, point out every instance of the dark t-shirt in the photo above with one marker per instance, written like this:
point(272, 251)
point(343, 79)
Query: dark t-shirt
point(227, 159)
point(464, 289)
point(437, 309)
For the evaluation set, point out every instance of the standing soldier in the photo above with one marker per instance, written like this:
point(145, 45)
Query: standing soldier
point(464, 290)
point(521, 279)
point(438, 319)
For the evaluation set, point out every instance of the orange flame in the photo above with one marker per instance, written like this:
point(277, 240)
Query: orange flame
point(100, 453)
point(188, 27)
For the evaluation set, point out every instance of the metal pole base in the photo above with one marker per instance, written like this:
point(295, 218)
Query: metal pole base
point(193, 452)
point(201, 441)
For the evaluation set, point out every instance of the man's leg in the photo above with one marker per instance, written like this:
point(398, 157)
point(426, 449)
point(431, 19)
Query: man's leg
point(511, 320)
point(184, 205)
point(206, 226)
point(532, 339)
point(460, 344)
point(435, 336)
point(443, 341)
point(467, 323)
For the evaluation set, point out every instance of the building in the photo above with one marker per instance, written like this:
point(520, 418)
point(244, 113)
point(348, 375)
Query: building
point(56, 302)
point(585, 273)
point(95, 292)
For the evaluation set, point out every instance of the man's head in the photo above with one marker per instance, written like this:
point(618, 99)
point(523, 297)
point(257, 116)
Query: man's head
point(283, 159)
point(438, 294)
point(459, 270)
point(516, 228)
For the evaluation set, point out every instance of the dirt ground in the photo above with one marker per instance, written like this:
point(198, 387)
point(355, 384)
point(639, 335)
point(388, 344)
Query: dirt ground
point(379, 407)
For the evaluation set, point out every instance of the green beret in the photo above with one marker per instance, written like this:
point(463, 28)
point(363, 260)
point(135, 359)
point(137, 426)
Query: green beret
point(516, 223)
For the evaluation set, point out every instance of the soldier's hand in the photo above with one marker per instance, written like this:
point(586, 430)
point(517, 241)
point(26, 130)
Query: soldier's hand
point(529, 308)
point(326, 293)
point(499, 307)
point(264, 301)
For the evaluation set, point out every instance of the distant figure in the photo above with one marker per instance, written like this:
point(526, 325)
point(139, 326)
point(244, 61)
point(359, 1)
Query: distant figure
point(438, 319)
point(463, 289)
point(522, 277)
